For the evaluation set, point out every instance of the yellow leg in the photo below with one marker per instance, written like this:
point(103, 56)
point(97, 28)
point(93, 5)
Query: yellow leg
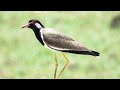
point(65, 64)
point(56, 65)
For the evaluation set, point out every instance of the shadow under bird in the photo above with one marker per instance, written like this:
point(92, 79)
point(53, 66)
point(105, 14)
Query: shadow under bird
point(57, 41)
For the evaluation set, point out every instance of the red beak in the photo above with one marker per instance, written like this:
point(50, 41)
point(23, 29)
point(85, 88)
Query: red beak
point(26, 25)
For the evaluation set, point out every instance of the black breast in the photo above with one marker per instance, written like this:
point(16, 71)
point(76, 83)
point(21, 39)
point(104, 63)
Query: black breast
point(38, 36)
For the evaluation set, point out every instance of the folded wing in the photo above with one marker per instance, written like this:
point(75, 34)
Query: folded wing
point(60, 42)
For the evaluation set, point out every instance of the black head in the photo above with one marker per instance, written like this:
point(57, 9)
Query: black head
point(33, 24)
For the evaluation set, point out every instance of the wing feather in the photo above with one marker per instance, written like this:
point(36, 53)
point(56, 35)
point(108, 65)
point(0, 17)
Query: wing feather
point(59, 41)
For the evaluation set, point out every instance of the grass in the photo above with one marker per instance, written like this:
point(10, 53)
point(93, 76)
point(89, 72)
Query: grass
point(21, 55)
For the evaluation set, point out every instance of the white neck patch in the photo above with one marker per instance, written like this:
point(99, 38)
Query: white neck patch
point(38, 25)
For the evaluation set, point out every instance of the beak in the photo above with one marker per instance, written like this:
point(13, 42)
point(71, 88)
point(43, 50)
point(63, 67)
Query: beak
point(26, 26)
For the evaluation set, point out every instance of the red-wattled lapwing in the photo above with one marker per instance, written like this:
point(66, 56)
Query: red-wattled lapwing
point(57, 41)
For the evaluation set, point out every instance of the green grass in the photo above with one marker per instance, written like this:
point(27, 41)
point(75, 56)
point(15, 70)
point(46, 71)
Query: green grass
point(21, 55)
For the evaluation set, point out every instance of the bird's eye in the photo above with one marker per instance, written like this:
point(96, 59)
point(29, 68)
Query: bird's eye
point(38, 25)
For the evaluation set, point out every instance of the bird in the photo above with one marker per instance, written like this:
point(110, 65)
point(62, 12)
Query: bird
point(57, 42)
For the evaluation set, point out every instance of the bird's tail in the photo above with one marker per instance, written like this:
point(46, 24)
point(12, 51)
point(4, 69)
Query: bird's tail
point(93, 53)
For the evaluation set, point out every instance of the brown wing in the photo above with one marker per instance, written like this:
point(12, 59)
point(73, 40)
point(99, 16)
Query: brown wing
point(59, 41)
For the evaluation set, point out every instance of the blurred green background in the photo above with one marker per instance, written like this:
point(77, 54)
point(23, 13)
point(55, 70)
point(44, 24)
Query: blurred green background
point(22, 56)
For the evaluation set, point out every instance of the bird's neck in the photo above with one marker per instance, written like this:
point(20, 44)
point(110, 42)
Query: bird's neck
point(38, 35)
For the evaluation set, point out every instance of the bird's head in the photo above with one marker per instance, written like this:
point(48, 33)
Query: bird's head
point(33, 24)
